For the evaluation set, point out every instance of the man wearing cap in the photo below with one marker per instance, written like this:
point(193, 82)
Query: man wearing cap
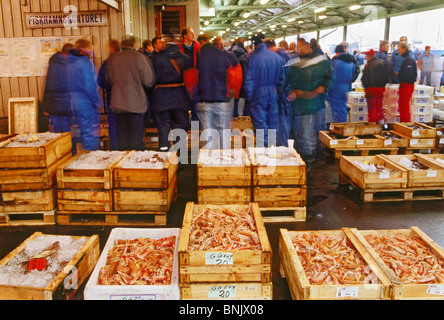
point(426, 65)
point(374, 78)
point(342, 76)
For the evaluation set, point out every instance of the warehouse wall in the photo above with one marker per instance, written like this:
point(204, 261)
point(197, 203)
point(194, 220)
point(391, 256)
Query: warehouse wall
point(13, 26)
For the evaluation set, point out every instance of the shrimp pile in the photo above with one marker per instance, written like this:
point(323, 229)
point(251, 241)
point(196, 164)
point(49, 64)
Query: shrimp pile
point(332, 260)
point(409, 257)
point(141, 261)
point(223, 229)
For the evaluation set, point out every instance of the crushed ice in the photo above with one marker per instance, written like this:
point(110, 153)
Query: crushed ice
point(279, 156)
point(96, 160)
point(32, 140)
point(146, 160)
point(222, 157)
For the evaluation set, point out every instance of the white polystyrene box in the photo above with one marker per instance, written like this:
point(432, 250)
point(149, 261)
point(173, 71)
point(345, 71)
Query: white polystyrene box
point(93, 291)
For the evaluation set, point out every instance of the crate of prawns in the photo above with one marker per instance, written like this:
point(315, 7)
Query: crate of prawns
point(137, 264)
point(329, 265)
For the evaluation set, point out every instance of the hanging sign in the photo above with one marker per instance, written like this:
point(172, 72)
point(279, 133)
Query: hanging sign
point(73, 19)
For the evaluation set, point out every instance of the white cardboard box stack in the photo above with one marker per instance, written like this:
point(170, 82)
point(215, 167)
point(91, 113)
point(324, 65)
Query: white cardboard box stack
point(358, 106)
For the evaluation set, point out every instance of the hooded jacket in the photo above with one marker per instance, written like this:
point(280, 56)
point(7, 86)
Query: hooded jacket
point(57, 97)
point(347, 57)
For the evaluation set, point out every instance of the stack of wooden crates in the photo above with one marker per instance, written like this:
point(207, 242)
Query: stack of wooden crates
point(28, 176)
point(211, 275)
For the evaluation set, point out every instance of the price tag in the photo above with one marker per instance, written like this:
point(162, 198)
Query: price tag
point(347, 292)
point(228, 291)
point(415, 133)
point(413, 142)
point(436, 289)
point(441, 141)
point(333, 142)
point(332, 127)
point(217, 258)
point(359, 142)
point(134, 297)
point(37, 264)
point(384, 175)
point(250, 288)
point(431, 142)
point(431, 174)
point(388, 142)
point(155, 139)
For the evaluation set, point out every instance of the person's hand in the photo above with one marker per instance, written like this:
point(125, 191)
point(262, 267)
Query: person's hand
point(319, 90)
point(292, 96)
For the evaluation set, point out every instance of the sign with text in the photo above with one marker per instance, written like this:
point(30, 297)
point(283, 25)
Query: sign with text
point(72, 19)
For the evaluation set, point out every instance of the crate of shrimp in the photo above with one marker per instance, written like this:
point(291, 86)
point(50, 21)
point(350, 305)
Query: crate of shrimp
point(224, 244)
point(137, 264)
point(373, 172)
point(48, 267)
point(38, 150)
point(422, 171)
point(330, 265)
point(411, 260)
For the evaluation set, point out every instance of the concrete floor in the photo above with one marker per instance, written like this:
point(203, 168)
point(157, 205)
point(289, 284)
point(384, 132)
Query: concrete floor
point(330, 207)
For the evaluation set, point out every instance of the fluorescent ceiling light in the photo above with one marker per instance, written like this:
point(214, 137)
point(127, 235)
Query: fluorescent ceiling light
point(300, 22)
point(354, 7)
point(284, 26)
point(211, 10)
point(227, 29)
point(263, 1)
point(273, 26)
point(246, 14)
point(322, 17)
point(317, 10)
point(291, 19)
point(236, 23)
point(207, 22)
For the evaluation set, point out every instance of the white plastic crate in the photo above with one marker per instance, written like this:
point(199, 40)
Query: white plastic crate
point(391, 110)
point(422, 117)
point(355, 98)
point(358, 108)
point(391, 119)
point(358, 117)
point(422, 101)
point(422, 90)
point(392, 90)
point(425, 110)
point(441, 104)
point(94, 291)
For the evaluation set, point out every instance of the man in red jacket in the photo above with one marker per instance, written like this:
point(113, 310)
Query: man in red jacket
point(191, 49)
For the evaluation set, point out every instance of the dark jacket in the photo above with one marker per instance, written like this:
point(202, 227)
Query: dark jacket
point(375, 74)
point(130, 75)
point(347, 57)
point(165, 97)
point(57, 97)
point(408, 70)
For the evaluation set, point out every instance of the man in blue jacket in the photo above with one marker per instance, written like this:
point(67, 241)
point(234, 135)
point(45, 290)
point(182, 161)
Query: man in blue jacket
point(396, 60)
point(343, 72)
point(85, 98)
point(215, 108)
point(263, 75)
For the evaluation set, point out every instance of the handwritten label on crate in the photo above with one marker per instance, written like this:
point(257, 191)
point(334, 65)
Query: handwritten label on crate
point(228, 291)
point(431, 174)
point(388, 142)
point(441, 141)
point(217, 258)
point(384, 175)
point(413, 142)
point(333, 142)
point(359, 142)
point(351, 292)
point(436, 289)
point(415, 133)
point(138, 297)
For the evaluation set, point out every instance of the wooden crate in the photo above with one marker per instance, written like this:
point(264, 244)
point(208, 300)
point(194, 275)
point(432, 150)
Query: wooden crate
point(28, 201)
point(277, 175)
point(23, 115)
point(300, 286)
point(247, 266)
point(33, 218)
point(111, 218)
point(16, 179)
point(432, 177)
point(224, 176)
point(368, 141)
point(334, 141)
point(61, 287)
point(440, 138)
point(224, 195)
point(374, 180)
point(227, 291)
point(405, 129)
point(145, 199)
point(398, 141)
point(138, 178)
point(84, 200)
point(398, 290)
point(242, 123)
point(280, 196)
point(355, 128)
point(35, 157)
point(85, 178)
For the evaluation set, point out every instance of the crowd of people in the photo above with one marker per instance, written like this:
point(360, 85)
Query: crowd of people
point(284, 87)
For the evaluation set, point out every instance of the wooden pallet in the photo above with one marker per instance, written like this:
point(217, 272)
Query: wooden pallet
point(131, 218)
point(283, 214)
point(418, 150)
point(398, 194)
point(35, 218)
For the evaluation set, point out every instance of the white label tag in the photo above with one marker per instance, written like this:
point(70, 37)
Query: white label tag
point(251, 288)
point(415, 133)
point(217, 258)
point(134, 297)
point(431, 142)
point(436, 289)
point(441, 141)
point(388, 142)
point(347, 292)
point(413, 142)
point(359, 142)
point(431, 174)
point(155, 139)
point(228, 291)
point(333, 142)
point(332, 127)
point(384, 175)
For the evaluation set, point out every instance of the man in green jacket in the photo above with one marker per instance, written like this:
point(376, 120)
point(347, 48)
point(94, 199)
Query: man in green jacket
point(309, 81)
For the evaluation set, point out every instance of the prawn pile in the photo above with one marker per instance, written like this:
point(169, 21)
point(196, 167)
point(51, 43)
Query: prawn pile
point(223, 229)
point(141, 261)
point(409, 257)
point(332, 260)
